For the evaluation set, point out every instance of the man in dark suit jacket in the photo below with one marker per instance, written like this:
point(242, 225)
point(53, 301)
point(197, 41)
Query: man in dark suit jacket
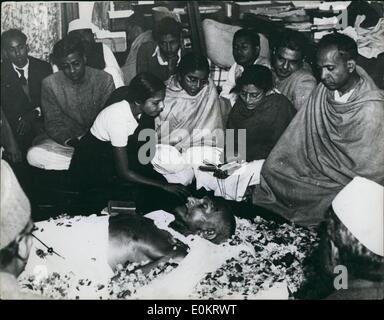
point(21, 78)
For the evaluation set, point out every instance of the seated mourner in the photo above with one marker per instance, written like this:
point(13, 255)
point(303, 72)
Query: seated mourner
point(192, 112)
point(138, 33)
point(21, 78)
point(162, 55)
point(261, 111)
point(99, 55)
point(15, 234)
point(246, 50)
point(351, 246)
point(336, 137)
point(292, 75)
point(71, 100)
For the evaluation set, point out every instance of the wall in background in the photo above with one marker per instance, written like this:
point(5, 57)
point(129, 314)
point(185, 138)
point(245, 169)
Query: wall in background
point(40, 21)
point(85, 10)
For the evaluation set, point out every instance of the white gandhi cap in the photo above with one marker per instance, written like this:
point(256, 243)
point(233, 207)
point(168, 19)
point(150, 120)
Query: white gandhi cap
point(360, 207)
point(79, 24)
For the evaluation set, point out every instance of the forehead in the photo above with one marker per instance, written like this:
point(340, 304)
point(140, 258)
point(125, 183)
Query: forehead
point(329, 56)
point(288, 54)
point(250, 88)
point(83, 31)
point(14, 41)
point(72, 57)
point(168, 38)
point(197, 74)
point(200, 217)
point(159, 95)
point(242, 40)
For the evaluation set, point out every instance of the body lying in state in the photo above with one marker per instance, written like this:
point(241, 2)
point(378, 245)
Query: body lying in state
point(143, 243)
point(92, 247)
point(135, 238)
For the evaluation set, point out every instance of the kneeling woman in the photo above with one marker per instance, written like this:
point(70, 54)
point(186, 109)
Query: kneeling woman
point(261, 111)
point(109, 154)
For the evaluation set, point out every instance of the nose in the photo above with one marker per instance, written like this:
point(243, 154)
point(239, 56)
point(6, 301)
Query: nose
point(323, 74)
point(18, 52)
point(191, 200)
point(285, 65)
point(195, 85)
point(205, 199)
point(72, 69)
point(248, 98)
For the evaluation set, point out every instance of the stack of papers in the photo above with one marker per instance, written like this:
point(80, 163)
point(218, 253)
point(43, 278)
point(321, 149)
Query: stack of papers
point(304, 26)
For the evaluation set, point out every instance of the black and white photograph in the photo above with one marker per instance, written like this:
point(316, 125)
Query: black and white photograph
point(208, 152)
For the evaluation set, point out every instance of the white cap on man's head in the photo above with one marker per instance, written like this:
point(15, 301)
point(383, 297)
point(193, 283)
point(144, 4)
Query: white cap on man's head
point(79, 24)
point(360, 207)
point(15, 211)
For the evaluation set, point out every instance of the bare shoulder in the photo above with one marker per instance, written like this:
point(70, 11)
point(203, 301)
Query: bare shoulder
point(143, 234)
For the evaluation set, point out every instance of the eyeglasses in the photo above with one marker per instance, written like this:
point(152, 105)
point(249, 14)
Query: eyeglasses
point(252, 95)
point(23, 234)
point(50, 250)
point(26, 232)
point(39, 252)
point(199, 82)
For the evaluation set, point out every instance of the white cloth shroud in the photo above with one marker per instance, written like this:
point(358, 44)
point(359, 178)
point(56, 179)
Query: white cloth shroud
point(203, 257)
point(83, 244)
point(178, 167)
point(181, 168)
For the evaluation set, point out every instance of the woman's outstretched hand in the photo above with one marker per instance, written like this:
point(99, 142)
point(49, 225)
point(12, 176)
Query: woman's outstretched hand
point(178, 190)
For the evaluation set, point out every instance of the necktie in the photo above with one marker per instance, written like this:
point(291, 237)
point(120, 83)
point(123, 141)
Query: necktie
point(22, 77)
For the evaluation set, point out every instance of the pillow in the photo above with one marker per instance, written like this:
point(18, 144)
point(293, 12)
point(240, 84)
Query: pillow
point(169, 162)
point(218, 41)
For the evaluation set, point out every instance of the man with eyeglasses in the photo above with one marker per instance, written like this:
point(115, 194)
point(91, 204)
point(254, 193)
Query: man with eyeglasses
point(21, 78)
point(15, 234)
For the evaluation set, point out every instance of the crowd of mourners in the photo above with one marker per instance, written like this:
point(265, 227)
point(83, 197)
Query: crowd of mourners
point(317, 124)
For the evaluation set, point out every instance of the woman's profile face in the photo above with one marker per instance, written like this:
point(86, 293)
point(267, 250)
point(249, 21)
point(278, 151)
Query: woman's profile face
point(154, 105)
point(192, 82)
point(251, 95)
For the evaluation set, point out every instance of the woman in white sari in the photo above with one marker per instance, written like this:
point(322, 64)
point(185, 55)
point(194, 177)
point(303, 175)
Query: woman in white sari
point(192, 115)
